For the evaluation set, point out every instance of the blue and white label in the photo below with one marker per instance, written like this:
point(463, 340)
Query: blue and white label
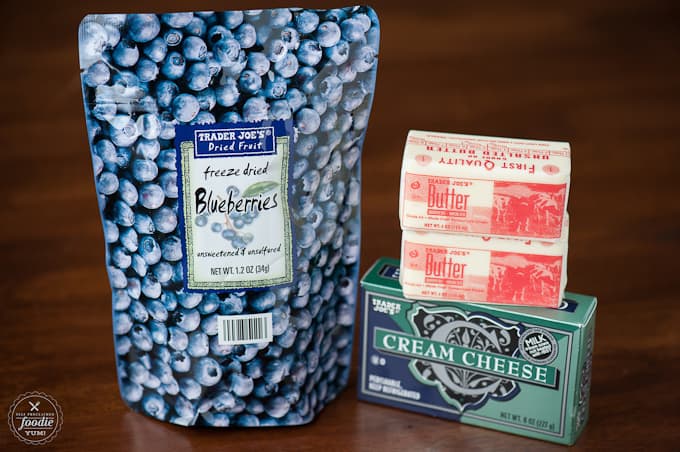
point(234, 209)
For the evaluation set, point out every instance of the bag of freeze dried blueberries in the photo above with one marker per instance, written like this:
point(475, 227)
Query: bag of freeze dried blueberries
point(226, 150)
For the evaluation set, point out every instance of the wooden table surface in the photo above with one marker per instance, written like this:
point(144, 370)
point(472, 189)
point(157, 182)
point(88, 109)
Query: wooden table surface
point(601, 75)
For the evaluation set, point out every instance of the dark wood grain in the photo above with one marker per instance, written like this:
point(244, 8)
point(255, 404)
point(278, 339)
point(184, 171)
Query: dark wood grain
point(604, 76)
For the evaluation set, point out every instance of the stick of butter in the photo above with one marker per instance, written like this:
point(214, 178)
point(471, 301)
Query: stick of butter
point(454, 267)
point(484, 185)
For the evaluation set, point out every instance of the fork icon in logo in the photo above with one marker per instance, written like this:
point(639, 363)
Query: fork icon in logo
point(34, 406)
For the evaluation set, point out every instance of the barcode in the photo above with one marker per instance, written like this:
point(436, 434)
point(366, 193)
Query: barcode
point(244, 329)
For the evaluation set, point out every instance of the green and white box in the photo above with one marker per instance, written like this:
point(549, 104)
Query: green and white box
point(516, 369)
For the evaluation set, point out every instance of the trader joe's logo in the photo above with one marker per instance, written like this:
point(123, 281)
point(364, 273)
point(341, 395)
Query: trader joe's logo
point(35, 418)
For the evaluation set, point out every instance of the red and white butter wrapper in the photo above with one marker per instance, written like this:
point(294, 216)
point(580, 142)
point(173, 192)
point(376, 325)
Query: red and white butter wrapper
point(455, 267)
point(468, 184)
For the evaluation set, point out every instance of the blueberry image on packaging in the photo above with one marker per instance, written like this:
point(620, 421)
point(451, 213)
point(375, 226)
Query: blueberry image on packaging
point(144, 74)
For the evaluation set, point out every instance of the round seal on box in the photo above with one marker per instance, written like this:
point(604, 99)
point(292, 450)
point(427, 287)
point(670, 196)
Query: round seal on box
point(35, 418)
point(538, 346)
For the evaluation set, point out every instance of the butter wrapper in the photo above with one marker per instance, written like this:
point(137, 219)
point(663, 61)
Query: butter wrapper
point(520, 370)
point(454, 267)
point(490, 186)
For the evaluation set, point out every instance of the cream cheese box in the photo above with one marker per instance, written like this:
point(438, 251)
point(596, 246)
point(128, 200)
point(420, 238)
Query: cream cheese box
point(515, 369)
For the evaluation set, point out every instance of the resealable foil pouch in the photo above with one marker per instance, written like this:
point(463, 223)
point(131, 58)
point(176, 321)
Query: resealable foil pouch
point(226, 150)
